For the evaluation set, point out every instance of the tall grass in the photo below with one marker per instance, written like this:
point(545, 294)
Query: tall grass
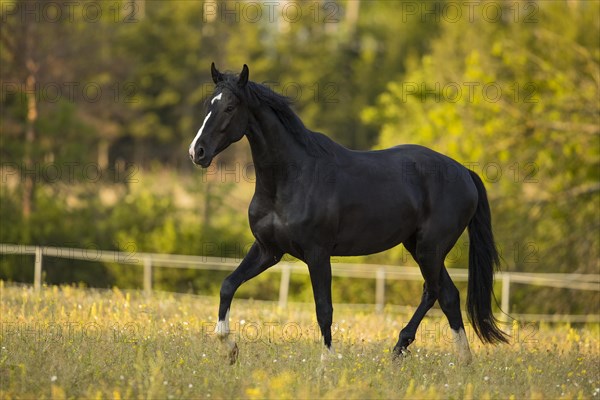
point(67, 342)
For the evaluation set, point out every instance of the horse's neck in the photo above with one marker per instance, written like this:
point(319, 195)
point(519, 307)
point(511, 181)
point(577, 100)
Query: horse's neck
point(274, 150)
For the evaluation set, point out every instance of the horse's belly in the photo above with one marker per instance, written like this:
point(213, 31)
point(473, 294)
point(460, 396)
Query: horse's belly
point(363, 248)
point(362, 233)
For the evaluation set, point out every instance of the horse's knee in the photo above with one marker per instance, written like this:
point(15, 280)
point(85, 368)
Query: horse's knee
point(227, 289)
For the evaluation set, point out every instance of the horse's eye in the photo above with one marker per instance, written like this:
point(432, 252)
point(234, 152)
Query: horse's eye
point(229, 109)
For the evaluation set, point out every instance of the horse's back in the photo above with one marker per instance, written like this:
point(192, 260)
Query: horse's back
point(411, 167)
point(445, 185)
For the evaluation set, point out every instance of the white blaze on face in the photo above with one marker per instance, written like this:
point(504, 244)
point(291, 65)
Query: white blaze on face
point(193, 145)
point(222, 328)
point(217, 97)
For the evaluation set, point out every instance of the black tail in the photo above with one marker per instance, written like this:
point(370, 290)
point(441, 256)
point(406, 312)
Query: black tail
point(483, 260)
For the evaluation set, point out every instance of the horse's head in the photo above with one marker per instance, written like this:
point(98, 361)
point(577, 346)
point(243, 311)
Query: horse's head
point(226, 119)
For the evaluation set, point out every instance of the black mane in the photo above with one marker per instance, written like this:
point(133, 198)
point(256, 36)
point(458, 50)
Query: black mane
point(258, 95)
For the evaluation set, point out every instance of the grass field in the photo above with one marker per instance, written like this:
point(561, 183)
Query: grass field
point(79, 343)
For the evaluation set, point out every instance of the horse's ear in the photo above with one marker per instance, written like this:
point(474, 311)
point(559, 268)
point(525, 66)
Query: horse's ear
point(243, 80)
point(216, 75)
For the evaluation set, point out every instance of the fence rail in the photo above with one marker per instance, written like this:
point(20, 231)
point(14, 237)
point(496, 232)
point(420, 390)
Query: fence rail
point(381, 273)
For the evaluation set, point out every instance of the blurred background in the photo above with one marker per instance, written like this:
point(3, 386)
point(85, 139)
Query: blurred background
point(100, 101)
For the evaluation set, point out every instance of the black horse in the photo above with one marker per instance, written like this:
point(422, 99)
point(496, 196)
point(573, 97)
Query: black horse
point(315, 199)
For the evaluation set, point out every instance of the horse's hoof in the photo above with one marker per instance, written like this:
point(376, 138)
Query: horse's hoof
point(400, 352)
point(234, 351)
point(465, 359)
point(329, 355)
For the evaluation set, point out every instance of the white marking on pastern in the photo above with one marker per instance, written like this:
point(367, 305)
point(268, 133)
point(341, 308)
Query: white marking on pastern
point(462, 345)
point(328, 354)
point(222, 328)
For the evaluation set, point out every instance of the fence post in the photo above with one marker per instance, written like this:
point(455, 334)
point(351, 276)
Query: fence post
point(284, 285)
point(37, 271)
point(379, 290)
point(147, 275)
point(505, 302)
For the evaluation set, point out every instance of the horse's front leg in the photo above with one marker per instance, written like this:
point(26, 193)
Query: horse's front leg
point(256, 261)
point(319, 266)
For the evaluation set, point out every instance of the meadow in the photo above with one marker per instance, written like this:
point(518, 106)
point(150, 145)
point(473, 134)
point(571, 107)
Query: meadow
point(70, 342)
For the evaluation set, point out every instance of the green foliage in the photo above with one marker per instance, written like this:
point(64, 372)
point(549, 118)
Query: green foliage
point(518, 104)
point(112, 173)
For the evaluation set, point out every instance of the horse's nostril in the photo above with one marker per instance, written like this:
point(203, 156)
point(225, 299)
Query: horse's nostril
point(201, 152)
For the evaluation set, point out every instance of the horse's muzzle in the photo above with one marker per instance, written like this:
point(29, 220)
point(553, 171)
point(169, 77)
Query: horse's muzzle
point(199, 157)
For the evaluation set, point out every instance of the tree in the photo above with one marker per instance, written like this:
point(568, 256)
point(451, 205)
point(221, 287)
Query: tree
point(517, 101)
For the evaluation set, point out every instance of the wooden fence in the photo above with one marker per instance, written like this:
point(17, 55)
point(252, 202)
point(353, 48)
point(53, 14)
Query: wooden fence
point(380, 273)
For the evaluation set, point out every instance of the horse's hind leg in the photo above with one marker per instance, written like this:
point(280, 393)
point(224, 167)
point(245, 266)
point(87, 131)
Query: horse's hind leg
point(431, 261)
point(429, 249)
point(449, 300)
point(407, 334)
